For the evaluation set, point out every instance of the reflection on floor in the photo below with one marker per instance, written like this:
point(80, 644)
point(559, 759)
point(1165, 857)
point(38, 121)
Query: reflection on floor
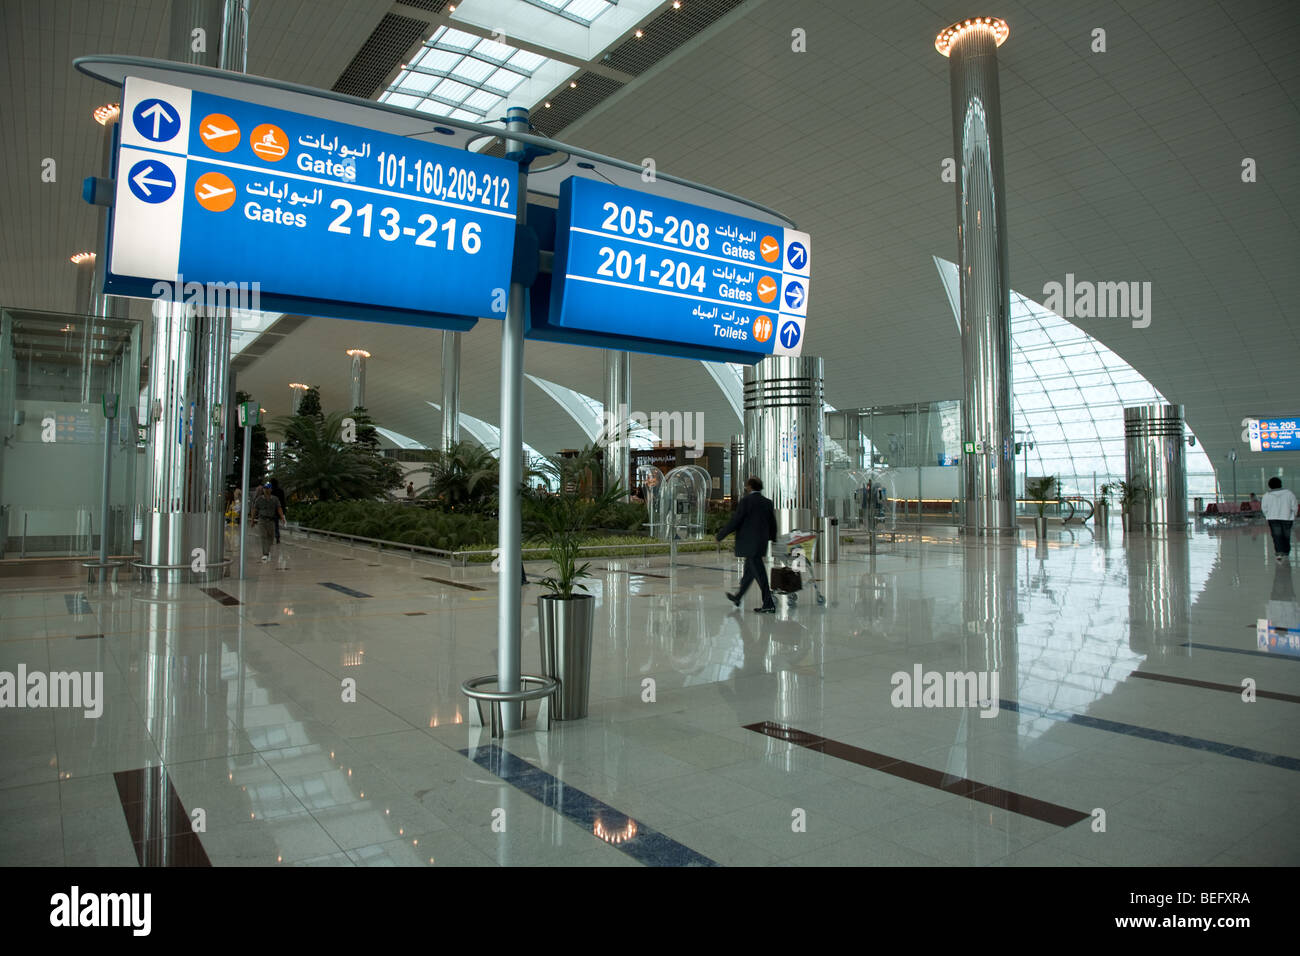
point(1141, 714)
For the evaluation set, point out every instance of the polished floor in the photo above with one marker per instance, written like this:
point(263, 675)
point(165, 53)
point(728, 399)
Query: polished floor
point(1121, 736)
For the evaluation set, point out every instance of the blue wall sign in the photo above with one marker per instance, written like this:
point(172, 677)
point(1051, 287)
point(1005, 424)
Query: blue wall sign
point(636, 271)
point(1273, 434)
point(327, 218)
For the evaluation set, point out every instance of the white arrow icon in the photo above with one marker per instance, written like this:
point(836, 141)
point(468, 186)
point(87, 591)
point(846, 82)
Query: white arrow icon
point(796, 257)
point(140, 180)
point(210, 191)
point(216, 132)
point(796, 295)
point(159, 114)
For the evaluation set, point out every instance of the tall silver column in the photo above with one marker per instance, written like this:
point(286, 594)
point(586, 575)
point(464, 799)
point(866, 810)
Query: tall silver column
point(990, 485)
point(189, 366)
point(737, 468)
point(450, 388)
point(618, 397)
point(784, 437)
point(1154, 459)
point(357, 377)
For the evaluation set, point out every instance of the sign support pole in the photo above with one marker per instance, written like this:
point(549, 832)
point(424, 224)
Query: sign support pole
point(244, 499)
point(110, 433)
point(509, 525)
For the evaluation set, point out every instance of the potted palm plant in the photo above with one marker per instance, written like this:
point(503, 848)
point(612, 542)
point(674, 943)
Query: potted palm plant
point(1041, 491)
point(1130, 493)
point(560, 519)
point(1101, 508)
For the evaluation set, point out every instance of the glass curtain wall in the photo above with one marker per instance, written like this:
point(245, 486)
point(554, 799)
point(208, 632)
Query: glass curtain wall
point(54, 372)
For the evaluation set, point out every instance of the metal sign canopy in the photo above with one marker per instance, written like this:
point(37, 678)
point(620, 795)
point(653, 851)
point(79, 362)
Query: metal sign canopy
point(546, 175)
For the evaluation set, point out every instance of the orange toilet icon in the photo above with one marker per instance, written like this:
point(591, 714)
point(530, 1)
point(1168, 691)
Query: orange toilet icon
point(269, 142)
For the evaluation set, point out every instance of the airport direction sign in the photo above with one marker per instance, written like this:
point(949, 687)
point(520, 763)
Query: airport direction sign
point(1273, 434)
point(641, 272)
point(328, 218)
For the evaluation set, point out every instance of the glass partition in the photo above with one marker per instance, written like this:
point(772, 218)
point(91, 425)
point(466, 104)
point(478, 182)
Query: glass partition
point(54, 372)
point(912, 451)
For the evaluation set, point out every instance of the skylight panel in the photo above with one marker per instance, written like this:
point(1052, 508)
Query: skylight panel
point(526, 61)
point(452, 91)
point(441, 61)
point(402, 100)
point(482, 101)
point(456, 40)
point(504, 81)
point(417, 82)
point(493, 50)
point(472, 70)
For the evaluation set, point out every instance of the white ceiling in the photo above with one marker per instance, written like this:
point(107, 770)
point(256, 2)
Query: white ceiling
point(1119, 166)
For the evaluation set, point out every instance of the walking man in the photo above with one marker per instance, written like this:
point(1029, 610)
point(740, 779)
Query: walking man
point(266, 511)
point(754, 522)
point(1279, 507)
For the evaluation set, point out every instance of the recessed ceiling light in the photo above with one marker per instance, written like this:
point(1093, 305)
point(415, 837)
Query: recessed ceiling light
point(107, 113)
point(639, 34)
point(81, 257)
point(362, 352)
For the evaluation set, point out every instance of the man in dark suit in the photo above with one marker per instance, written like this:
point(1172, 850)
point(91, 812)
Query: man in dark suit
point(754, 522)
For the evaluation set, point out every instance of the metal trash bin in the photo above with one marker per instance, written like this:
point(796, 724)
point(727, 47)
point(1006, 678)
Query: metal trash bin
point(828, 544)
point(564, 636)
point(1199, 506)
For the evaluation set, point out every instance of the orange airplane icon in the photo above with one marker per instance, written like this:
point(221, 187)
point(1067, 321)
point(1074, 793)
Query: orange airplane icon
point(269, 142)
point(214, 191)
point(769, 249)
point(766, 289)
point(762, 329)
point(219, 132)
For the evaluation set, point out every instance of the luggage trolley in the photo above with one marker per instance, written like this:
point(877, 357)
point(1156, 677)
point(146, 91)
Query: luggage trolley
point(787, 579)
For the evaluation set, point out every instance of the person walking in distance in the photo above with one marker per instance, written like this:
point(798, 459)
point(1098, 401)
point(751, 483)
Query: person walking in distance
point(279, 496)
point(266, 510)
point(1279, 507)
point(754, 522)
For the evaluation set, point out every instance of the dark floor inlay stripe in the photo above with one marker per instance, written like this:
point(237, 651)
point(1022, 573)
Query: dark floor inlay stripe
point(90, 637)
point(227, 600)
point(644, 844)
point(414, 613)
point(927, 776)
point(1159, 736)
point(160, 826)
point(77, 604)
point(640, 574)
point(455, 584)
point(340, 588)
point(1273, 656)
point(1210, 685)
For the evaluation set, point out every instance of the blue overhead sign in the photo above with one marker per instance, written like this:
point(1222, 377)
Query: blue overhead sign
point(1273, 434)
point(636, 271)
point(327, 218)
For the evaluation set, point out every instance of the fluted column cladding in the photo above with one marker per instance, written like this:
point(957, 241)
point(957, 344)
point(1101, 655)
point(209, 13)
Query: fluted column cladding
point(985, 287)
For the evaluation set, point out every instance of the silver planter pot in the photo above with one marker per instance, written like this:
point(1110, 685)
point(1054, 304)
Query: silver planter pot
point(564, 633)
point(1040, 526)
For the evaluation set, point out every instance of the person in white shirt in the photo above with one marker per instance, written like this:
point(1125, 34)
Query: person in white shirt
point(1279, 507)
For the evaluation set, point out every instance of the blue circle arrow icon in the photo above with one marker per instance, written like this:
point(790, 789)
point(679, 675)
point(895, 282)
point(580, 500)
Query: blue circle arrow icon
point(151, 181)
point(796, 255)
point(790, 334)
point(794, 295)
point(156, 120)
